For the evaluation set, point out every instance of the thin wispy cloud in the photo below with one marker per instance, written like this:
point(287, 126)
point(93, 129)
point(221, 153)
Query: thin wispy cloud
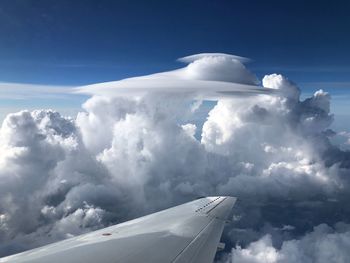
point(22, 91)
point(328, 84)
point(307, 69)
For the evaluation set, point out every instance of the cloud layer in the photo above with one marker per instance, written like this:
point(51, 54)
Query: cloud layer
point(62, 177)
point(207, 76)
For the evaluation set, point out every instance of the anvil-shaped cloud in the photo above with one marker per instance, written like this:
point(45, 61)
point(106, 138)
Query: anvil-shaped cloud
point(124, 156)
point(208, 76)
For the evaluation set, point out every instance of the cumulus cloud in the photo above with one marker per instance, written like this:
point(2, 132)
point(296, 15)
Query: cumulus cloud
point(345, 136)
point(61, 176)
point(323, 244)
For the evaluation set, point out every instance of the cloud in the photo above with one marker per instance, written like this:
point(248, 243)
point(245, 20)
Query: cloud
point(323, 244)
point(207, 76)
point(278, 82)
point(20, 91)
point(62, 176)
point(346, 136)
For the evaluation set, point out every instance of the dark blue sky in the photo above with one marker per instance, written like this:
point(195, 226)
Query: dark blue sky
point(74, 42)
point(78, 42)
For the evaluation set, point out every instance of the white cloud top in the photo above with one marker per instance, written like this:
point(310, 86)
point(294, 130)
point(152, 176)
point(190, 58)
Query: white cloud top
point(207, 76)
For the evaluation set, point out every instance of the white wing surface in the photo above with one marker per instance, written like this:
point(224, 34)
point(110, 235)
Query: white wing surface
point(186, 233)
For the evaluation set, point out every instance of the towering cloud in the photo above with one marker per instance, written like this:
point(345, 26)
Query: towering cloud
point(61, 177)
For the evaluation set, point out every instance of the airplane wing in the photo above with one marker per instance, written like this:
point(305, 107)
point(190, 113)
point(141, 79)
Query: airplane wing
point(186, 233)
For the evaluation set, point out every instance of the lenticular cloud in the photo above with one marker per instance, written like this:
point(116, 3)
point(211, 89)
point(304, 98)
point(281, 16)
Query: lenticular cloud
point(61, 177)
point(207, 76)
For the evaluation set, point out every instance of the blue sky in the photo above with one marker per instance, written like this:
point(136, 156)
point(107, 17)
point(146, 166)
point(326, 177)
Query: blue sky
point(80, 42)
